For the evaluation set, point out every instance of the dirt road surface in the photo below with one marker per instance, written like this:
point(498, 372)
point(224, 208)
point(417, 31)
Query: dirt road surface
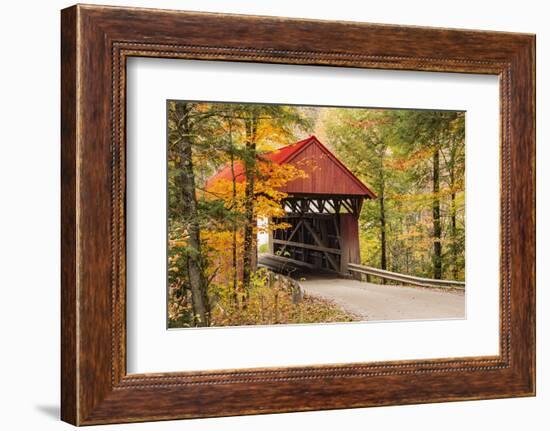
point(386, 302)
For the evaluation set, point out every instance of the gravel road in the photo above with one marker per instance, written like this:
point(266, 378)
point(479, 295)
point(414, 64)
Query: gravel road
point(387, 302)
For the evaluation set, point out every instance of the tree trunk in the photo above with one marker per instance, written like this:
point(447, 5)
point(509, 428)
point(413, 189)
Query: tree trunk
point(234, 227)
point(197, 279)
point(249, 223)
point(436, 214)
point(382, 215)
point(454, 236)
point(383, 241)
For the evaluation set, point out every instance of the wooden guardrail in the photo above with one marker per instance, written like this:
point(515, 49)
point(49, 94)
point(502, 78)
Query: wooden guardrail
point(405, 279)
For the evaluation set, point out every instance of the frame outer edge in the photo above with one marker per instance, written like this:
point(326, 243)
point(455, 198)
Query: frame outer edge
point(523, 216)
point(533, 53)
point(530, 81)
point(88, 397)
point(69, 212)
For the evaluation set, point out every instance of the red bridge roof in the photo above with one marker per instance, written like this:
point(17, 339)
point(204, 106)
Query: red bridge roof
point(325, 174)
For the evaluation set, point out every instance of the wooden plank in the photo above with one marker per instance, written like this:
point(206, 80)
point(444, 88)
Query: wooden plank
point(308, 246)
point(295, 229)
point(331, 203)
point(308, 215)
point(346, 204)
point(294, 261)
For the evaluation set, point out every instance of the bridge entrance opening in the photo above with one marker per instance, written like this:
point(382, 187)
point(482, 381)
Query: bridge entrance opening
point(322, 233)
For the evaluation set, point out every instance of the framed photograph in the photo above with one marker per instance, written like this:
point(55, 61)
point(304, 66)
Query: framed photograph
point(266, 215)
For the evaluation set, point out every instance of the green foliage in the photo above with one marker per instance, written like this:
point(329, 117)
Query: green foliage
point(263, 248)
point(392, 151)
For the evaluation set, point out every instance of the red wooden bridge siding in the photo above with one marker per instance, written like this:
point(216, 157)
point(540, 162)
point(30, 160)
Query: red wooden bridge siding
point(326, 175)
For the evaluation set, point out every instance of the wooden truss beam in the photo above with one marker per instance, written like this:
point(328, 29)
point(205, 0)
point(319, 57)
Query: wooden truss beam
point(306, 205)
point(320, 243)
point(300, 222)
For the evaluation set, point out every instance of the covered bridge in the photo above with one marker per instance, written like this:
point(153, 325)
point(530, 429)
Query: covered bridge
point(322, 208)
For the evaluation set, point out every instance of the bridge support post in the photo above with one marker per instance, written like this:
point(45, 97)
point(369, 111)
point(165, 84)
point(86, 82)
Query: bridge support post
point(349, 235)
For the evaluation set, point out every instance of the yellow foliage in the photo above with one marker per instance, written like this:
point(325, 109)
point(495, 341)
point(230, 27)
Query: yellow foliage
point(270, 136)
point(267, 189)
